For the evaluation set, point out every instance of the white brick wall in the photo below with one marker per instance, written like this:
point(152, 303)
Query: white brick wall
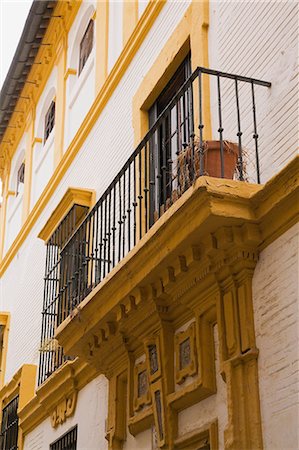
point(275, 296)
point(260, 40)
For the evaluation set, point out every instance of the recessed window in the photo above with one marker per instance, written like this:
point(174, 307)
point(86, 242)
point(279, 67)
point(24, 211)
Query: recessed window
point(86, 46)
point(66, 442)
point(9, 426)
point(49, 121)
point(20, 178)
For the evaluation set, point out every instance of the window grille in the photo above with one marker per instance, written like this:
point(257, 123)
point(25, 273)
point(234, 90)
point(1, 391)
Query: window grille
point(58, 290)
point(66, 442)
point(86, 45)
point(9, 426)
point(20, 178)
point(49, 120)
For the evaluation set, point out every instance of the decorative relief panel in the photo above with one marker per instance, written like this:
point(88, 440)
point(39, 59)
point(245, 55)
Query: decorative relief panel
point(64, 409)
point(141, 387)
point(158, 406)
point(185, 351)
point(153, 358)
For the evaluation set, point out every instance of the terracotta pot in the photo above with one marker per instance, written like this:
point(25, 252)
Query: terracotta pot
point(212, 159)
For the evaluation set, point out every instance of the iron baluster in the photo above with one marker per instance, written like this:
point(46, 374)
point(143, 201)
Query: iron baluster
point(220, 129)
point(255, 134)
point(239, 134)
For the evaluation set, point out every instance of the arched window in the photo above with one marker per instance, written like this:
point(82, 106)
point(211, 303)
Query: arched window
point(20, 178)
point(86, 45)
point(49, 121)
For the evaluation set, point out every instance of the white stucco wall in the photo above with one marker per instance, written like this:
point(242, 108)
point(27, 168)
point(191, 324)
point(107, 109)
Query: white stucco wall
point(43, 153)
point(115, 38)
point(15, 202)
point(275, 296)
point(80, 88)
point(259, 40)
point(90, 415)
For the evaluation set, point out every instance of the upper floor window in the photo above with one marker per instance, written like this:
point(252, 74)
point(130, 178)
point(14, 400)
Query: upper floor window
point(20, 178)
point(86, 45)
point(49, 121)
point(9, 426)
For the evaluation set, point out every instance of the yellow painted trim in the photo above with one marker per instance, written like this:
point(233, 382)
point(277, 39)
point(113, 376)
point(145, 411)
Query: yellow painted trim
point(69, 378)
point(39, 73)
point(190, 34)
point(28, 166)
point(84, 197)
point(102, 42)
point(36, 140)
point(60, 103)
point(22, 384)
point(5, 194)
point(4, 320)
point(70, 72)
point(130, 18)
point(149, 16)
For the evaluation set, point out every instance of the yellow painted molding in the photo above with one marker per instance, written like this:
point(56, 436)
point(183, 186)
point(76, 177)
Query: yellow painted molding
point(191, 34)
point(130, 18)
point(102, 42)
point(83, 197)
point(199, 438)
point(60, 104)
point(10, 194)
point(224, 202)
point(28, 167)
point(5, 190)
point(63, 384)
point(69, 72)
point(23, 385)
point(36, 140)
point(149, 16)
point(4, 321)
point(39, 73)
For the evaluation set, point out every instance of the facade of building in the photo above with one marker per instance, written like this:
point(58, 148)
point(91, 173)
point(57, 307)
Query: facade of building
point(149, 235)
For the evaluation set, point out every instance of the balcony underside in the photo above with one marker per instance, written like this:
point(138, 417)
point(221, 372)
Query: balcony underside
point(215, 225)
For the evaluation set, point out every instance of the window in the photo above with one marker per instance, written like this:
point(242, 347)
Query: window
point(86, 45)
point(49, 121)
point(20, 178)
point(66, 442)
point(62, 260)
point(9, 426)
point(172, 136)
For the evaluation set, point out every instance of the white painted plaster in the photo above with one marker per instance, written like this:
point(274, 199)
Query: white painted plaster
point(259, 40)
point(275, 297)
point(115, 31)
point(90, 415)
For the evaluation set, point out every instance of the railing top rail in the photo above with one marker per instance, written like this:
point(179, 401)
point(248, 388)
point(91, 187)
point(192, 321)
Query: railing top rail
point(233, 76)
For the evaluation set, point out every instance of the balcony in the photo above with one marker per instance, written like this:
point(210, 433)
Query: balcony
point(164, 170)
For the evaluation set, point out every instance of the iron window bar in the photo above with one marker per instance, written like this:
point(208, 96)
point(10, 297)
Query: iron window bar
point(9, 426)
point(138, 195)
point(67, 441)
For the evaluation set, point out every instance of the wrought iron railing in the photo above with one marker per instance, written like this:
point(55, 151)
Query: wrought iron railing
point(166, 162)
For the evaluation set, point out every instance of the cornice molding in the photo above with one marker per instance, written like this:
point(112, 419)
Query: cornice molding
point(56, 397)
point(73, 196)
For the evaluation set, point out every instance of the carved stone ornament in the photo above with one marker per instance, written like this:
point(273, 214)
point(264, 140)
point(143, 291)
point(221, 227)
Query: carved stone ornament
point(185, 351)
point(64, 409)
point(141, 387)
